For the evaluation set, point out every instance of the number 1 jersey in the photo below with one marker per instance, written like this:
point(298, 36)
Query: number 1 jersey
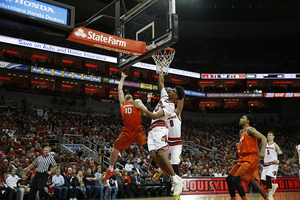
point(131, 115)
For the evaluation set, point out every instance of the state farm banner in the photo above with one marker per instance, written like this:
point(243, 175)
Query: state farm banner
point(216, 185)
point(106, 41)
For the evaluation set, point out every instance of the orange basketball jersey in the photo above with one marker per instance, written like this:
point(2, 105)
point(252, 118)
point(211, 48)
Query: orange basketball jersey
point(247, 147)
point(131, 115)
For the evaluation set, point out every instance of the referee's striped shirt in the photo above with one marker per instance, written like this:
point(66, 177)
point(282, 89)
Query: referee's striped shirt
point(44, 163)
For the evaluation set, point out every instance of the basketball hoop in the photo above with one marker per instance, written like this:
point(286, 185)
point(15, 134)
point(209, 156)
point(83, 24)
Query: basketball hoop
point(163, 60)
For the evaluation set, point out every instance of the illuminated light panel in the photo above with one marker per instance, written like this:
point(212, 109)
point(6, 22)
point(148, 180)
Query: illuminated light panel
point(91, 89)
point(136, 73)
point(5, 78)
point(207, 102)
point(113, 92)
point(39, 82)
point(137, 95)
point(253, 101)
point(10, 51)
point(113, 69)
point(90, 65)
point(203, 82)
point(38, 56)
point(156, 98)
point(67, 86)
point(156, 76)
point(251, 81)
point(282, 82)
point(230, 81)
point(233, 102)
point(68, 61)
point(176, 80)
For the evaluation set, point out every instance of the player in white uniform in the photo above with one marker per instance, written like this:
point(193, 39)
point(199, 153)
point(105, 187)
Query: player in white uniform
point(295, 158)
point(271, 162)
point(158, 134)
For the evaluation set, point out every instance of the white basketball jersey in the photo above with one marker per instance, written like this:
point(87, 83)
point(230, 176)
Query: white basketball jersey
point(174, 124)
point(165, 105)
point(270, 153)
point(298, 149)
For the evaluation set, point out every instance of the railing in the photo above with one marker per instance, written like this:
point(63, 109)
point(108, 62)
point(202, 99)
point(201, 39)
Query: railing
point(107, 163)
point(196, 147)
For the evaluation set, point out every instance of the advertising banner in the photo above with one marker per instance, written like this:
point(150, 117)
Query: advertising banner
point(234, 95)
point(8, 65)
point(194, 93)
point(282, 95)
point(37, 9)
point(146, 86)
point(73, 148)
point(59, 73)
point(106, 41)
point(206, 185)
point(223, 76)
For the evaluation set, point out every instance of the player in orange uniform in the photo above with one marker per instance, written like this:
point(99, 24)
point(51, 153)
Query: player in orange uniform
point(132, 130)
point(246, 168)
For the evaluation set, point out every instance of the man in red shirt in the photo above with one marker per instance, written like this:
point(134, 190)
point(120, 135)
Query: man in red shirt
point(26, 164)
point(11, 152)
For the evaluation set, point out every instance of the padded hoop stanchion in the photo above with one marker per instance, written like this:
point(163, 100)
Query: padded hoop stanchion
point(163, 60)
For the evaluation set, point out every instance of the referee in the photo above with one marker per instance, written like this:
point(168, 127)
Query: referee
point(39, 180)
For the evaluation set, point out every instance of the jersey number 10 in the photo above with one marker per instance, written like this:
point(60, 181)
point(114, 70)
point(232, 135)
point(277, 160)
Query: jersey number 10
point(128, 110)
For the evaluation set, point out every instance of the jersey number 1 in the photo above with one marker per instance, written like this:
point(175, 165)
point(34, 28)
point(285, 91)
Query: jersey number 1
point(171, 123)
point(128, 110)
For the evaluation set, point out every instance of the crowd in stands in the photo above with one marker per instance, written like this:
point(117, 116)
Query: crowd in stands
point(23, 138)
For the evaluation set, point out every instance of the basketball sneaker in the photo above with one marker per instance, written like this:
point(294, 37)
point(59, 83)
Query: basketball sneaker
point(177, 188)
point(177, 197)
point(108, 175)
point(179, 179)
point(157, 175)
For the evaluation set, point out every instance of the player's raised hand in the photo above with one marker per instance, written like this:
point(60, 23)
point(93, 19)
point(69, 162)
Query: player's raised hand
point(138, 104)
point(123, 75)
point(150, 95)
point(168, 90)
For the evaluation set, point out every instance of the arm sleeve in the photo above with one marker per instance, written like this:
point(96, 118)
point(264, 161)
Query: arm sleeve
point(35, 162)
point(148, 105)
point(169, 109)
point(53, 163)
point(163, 93)
point(281, 157)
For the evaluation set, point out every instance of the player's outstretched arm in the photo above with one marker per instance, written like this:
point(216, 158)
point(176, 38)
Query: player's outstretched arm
point(253, 132)
point(294, 159)
point(149, 97)
point(179, 108)
point(161, 81)
point(120, 88)
point(152, 115)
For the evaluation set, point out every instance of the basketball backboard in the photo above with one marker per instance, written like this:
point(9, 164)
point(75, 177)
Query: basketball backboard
point(154, 22)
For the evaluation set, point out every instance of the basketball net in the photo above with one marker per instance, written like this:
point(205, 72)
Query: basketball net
point(163, 60)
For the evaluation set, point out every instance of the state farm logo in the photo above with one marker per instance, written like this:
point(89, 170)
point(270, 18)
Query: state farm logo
point(80, 32)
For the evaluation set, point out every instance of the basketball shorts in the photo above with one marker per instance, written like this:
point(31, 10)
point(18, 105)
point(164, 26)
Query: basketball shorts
point(270, 170)
point(175, 152)
point(128, 135)
point(158, 138)
point(245, 170)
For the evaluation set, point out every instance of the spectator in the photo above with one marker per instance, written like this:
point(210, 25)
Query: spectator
point(70, 183)
point(85, 154)
point(11, 152)
point(23, 185)
point(58, 182)
point(106, 188)
point(127, 184)
point(128, 167)
point(72, 159)
point(99, 181)
point(136, 182)
point(11, 182)
point(84, 165)
point(188, 174)
point(81, 151)
point(4, 190)
point(90, 184)
point(113, 186)
point(19, 171)
point(40, 112)
point(137, 167)
point(145, 171)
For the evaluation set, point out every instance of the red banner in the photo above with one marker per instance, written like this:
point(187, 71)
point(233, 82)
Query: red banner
point(106, 41)
point(219, 185)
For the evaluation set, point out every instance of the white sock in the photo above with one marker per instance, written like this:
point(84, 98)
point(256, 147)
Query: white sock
point(175, 179)
point(111, 168)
